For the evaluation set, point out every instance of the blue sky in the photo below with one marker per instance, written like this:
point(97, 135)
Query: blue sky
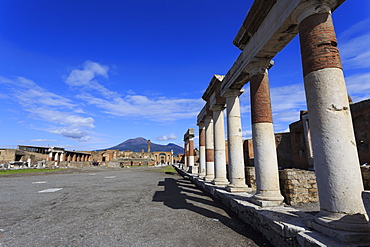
point(91, 74)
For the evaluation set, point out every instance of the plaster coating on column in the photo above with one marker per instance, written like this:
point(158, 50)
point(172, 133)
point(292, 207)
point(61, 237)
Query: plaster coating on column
point(265, 158)
point(336, 161)
point(219, 146)
point(202, 150)
point(191, 154)
point(235, 143)
point(210, 166)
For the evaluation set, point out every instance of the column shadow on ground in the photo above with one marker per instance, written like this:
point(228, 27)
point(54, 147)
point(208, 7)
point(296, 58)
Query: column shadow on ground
point(182, 194)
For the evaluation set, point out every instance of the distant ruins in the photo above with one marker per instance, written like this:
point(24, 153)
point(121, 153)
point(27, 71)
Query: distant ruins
point(327, 144)
point(50, 157)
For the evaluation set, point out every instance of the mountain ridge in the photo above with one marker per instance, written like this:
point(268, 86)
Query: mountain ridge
point(140, 143)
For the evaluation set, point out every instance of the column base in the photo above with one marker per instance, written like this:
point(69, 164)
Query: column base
point(201, 175)
point(349, 229)
point(193, 169)
point(366, 201)
point(209, 178)
point(238, 188)
point(220, 181)
point(267, 198)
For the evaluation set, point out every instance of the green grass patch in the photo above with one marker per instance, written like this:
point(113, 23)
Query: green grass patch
point(7, 172)
point(167, 169)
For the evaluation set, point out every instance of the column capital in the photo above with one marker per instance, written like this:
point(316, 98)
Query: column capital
point(233, 92)
point(218, 107)
point(259, 66)
point(308, 8)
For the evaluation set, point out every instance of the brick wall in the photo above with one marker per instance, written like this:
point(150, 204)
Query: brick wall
point(365, 170)
point(298, 186)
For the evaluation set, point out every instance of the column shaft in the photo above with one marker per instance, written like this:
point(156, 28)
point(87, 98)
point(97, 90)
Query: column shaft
point(235, 143)
point(333, 142)
point(265, 158)
point(210, 166)
point(219, 146)
point(202, 151)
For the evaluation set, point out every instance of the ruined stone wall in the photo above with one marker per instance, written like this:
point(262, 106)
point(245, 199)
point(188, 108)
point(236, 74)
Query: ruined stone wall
point(365, 171)
point(284, 150)
point(298, 186)
point(361, 124)
point(298, 146)
point(250, 177)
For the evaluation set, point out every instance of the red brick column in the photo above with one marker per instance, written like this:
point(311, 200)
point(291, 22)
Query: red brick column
point(202, 150)
point(335, 154)
point(265, 158)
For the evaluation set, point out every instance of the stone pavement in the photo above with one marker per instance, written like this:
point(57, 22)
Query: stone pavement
point(140, 206)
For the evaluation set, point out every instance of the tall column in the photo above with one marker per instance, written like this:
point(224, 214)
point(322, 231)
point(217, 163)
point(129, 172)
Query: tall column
point(50, 157)
point(210, 166)
point(265, 158)
point(219, 146)
point(56, 159)
point(202, 150)
point(235, 143)
point(191, 151)
point(336, 160)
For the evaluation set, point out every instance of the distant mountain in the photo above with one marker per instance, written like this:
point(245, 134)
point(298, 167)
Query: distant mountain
point(138, 144)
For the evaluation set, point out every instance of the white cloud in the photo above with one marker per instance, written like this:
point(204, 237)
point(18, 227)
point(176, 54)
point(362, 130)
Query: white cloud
point(133, 105)
point(41, 140)
point(166, 138)
point(29, 94)
point(354, 46)
point(56, 113)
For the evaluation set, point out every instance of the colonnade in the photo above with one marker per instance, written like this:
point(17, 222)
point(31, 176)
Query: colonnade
point(329, 116)
point(60, 156)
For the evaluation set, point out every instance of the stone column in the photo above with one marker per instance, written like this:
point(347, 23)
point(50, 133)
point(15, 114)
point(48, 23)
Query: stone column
point(56, 159)
point(69, 157)
point(74, 157)
point(191, 152)
point(219, 145)
point(235, 143)
point(265, 158)
point(210, 166)
point(50, 157)
point(185, 155)
point(202, 150)
point(336, 160)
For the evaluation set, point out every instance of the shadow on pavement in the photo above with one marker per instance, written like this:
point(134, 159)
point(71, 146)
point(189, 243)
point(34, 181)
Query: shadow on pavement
point(182, 194)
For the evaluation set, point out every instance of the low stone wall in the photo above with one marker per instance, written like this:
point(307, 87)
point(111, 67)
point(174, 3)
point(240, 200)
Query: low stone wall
point(250, 177)
point(365, 171)
point(298, 186)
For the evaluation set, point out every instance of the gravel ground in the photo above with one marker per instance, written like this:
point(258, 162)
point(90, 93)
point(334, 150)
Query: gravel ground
point(139, 206)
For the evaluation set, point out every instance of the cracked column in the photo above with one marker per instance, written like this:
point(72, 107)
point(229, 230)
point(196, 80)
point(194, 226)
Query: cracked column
point(219, 145)
point(265, 158)
point(336, 161)
point(210, 166)
point(202, 150)
point(235, 142)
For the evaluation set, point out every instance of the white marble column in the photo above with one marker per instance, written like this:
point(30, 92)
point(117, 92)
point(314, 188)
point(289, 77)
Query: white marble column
point(202, 150)
point(219, 145)
point(336, 160)
point(235, 143)
point(265, 157)
point(191, 154)
point(210, 166)
point(56, 159)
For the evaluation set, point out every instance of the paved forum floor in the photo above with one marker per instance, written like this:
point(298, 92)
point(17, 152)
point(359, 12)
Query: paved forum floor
point(140, 206)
